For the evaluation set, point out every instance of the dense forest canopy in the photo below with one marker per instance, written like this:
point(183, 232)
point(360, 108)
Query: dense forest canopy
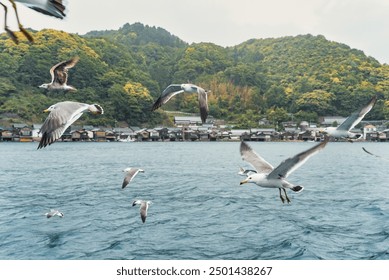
point(125, 70)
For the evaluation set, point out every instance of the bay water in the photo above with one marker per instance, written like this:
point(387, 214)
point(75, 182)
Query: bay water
point(199, 210)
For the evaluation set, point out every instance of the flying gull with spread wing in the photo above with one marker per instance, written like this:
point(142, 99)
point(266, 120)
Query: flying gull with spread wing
point(59, 75)
point(144, 206)
point(343, 130)
point(53, 213)
point(61, 116)
point(269, 177)
point(175, 89)
point(130, 174)
point(53, 8)
point(370, 153)
point(245, 172)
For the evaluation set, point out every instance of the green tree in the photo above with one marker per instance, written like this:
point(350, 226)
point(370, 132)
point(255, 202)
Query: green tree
point(277, 115)
point(318, 101)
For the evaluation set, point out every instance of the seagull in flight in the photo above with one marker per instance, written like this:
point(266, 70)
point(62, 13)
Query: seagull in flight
point(245, 172)
point(363, 148)
point(131, 172)
point(343, 130)
point(61, 116)
point(144, 205)
point(53, 213)
point(269, 177)
point(175, 89)
point(53, 8)
point(59, 75)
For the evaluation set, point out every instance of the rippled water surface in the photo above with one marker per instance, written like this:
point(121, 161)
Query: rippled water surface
point(199, 210)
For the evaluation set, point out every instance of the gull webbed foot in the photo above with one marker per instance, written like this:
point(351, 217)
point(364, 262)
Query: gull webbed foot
point(26, 34)
point(12, 35)
point(286, 196)
point(282, 197)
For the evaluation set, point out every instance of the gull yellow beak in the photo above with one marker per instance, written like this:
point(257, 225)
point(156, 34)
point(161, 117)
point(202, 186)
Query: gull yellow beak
point(243, 182)
point(46, 110)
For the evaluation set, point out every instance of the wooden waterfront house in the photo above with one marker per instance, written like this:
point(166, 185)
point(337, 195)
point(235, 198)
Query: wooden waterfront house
point(143, 135)
point(372, 136)
point(245, 136)
point(6, 135)
point(175, 134)
point(81, 135)
point(22, 133)
point(86, 135)
point(327, 121)
point(368, 132)
point(384, 135)
point(180, 121)
point(203, 134)
point(124, 133)
point(110, 136)
point(263, 134)
point(238, 134)
point(163, 133)
point(76, 135)
point(307, 135)
point(213, 135)
point(99, 135)
point(153, 134)
point(290, 133)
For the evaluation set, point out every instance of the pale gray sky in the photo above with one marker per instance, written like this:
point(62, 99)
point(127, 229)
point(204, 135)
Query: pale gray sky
point(361, 24)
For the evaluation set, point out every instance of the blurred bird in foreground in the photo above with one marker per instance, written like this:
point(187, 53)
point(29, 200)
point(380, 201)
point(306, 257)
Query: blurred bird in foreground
point(53, 8)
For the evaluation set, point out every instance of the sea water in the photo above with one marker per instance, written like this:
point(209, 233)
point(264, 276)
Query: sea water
point(199, 210)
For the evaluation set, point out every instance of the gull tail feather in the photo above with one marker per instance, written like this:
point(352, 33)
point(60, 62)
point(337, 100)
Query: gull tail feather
point(297, 188)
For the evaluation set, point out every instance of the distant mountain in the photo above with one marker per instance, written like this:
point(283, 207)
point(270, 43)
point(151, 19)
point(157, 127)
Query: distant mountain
point(292, 67)
point(138, 34)
point(299, 78)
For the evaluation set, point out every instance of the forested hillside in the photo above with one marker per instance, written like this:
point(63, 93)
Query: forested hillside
point(125, 70)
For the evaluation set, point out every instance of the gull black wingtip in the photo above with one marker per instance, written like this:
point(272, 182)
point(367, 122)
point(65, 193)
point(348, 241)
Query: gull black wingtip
point(156, 104)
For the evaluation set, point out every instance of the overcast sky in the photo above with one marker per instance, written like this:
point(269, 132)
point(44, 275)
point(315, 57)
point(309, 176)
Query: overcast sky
point(361, 24)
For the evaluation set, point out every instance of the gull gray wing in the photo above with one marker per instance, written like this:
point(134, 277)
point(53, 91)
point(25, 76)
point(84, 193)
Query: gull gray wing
point(363, 148)
point(130, 176)
point(53, 213)
point(357, 116)
point(59, 120)
point(53, 8)
point(53, 128)
point(246, 172)
point(291, 164)
point(143, 210)
point(260, 165)
point(50, 214)
point(166, 95)
point(59, 72)
point(203, 103)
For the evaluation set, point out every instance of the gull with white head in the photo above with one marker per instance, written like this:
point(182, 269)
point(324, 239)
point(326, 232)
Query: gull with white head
point(175, 89)
point(61, 116)
point(144, 206)
point(269, 177)
point(59, 75)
